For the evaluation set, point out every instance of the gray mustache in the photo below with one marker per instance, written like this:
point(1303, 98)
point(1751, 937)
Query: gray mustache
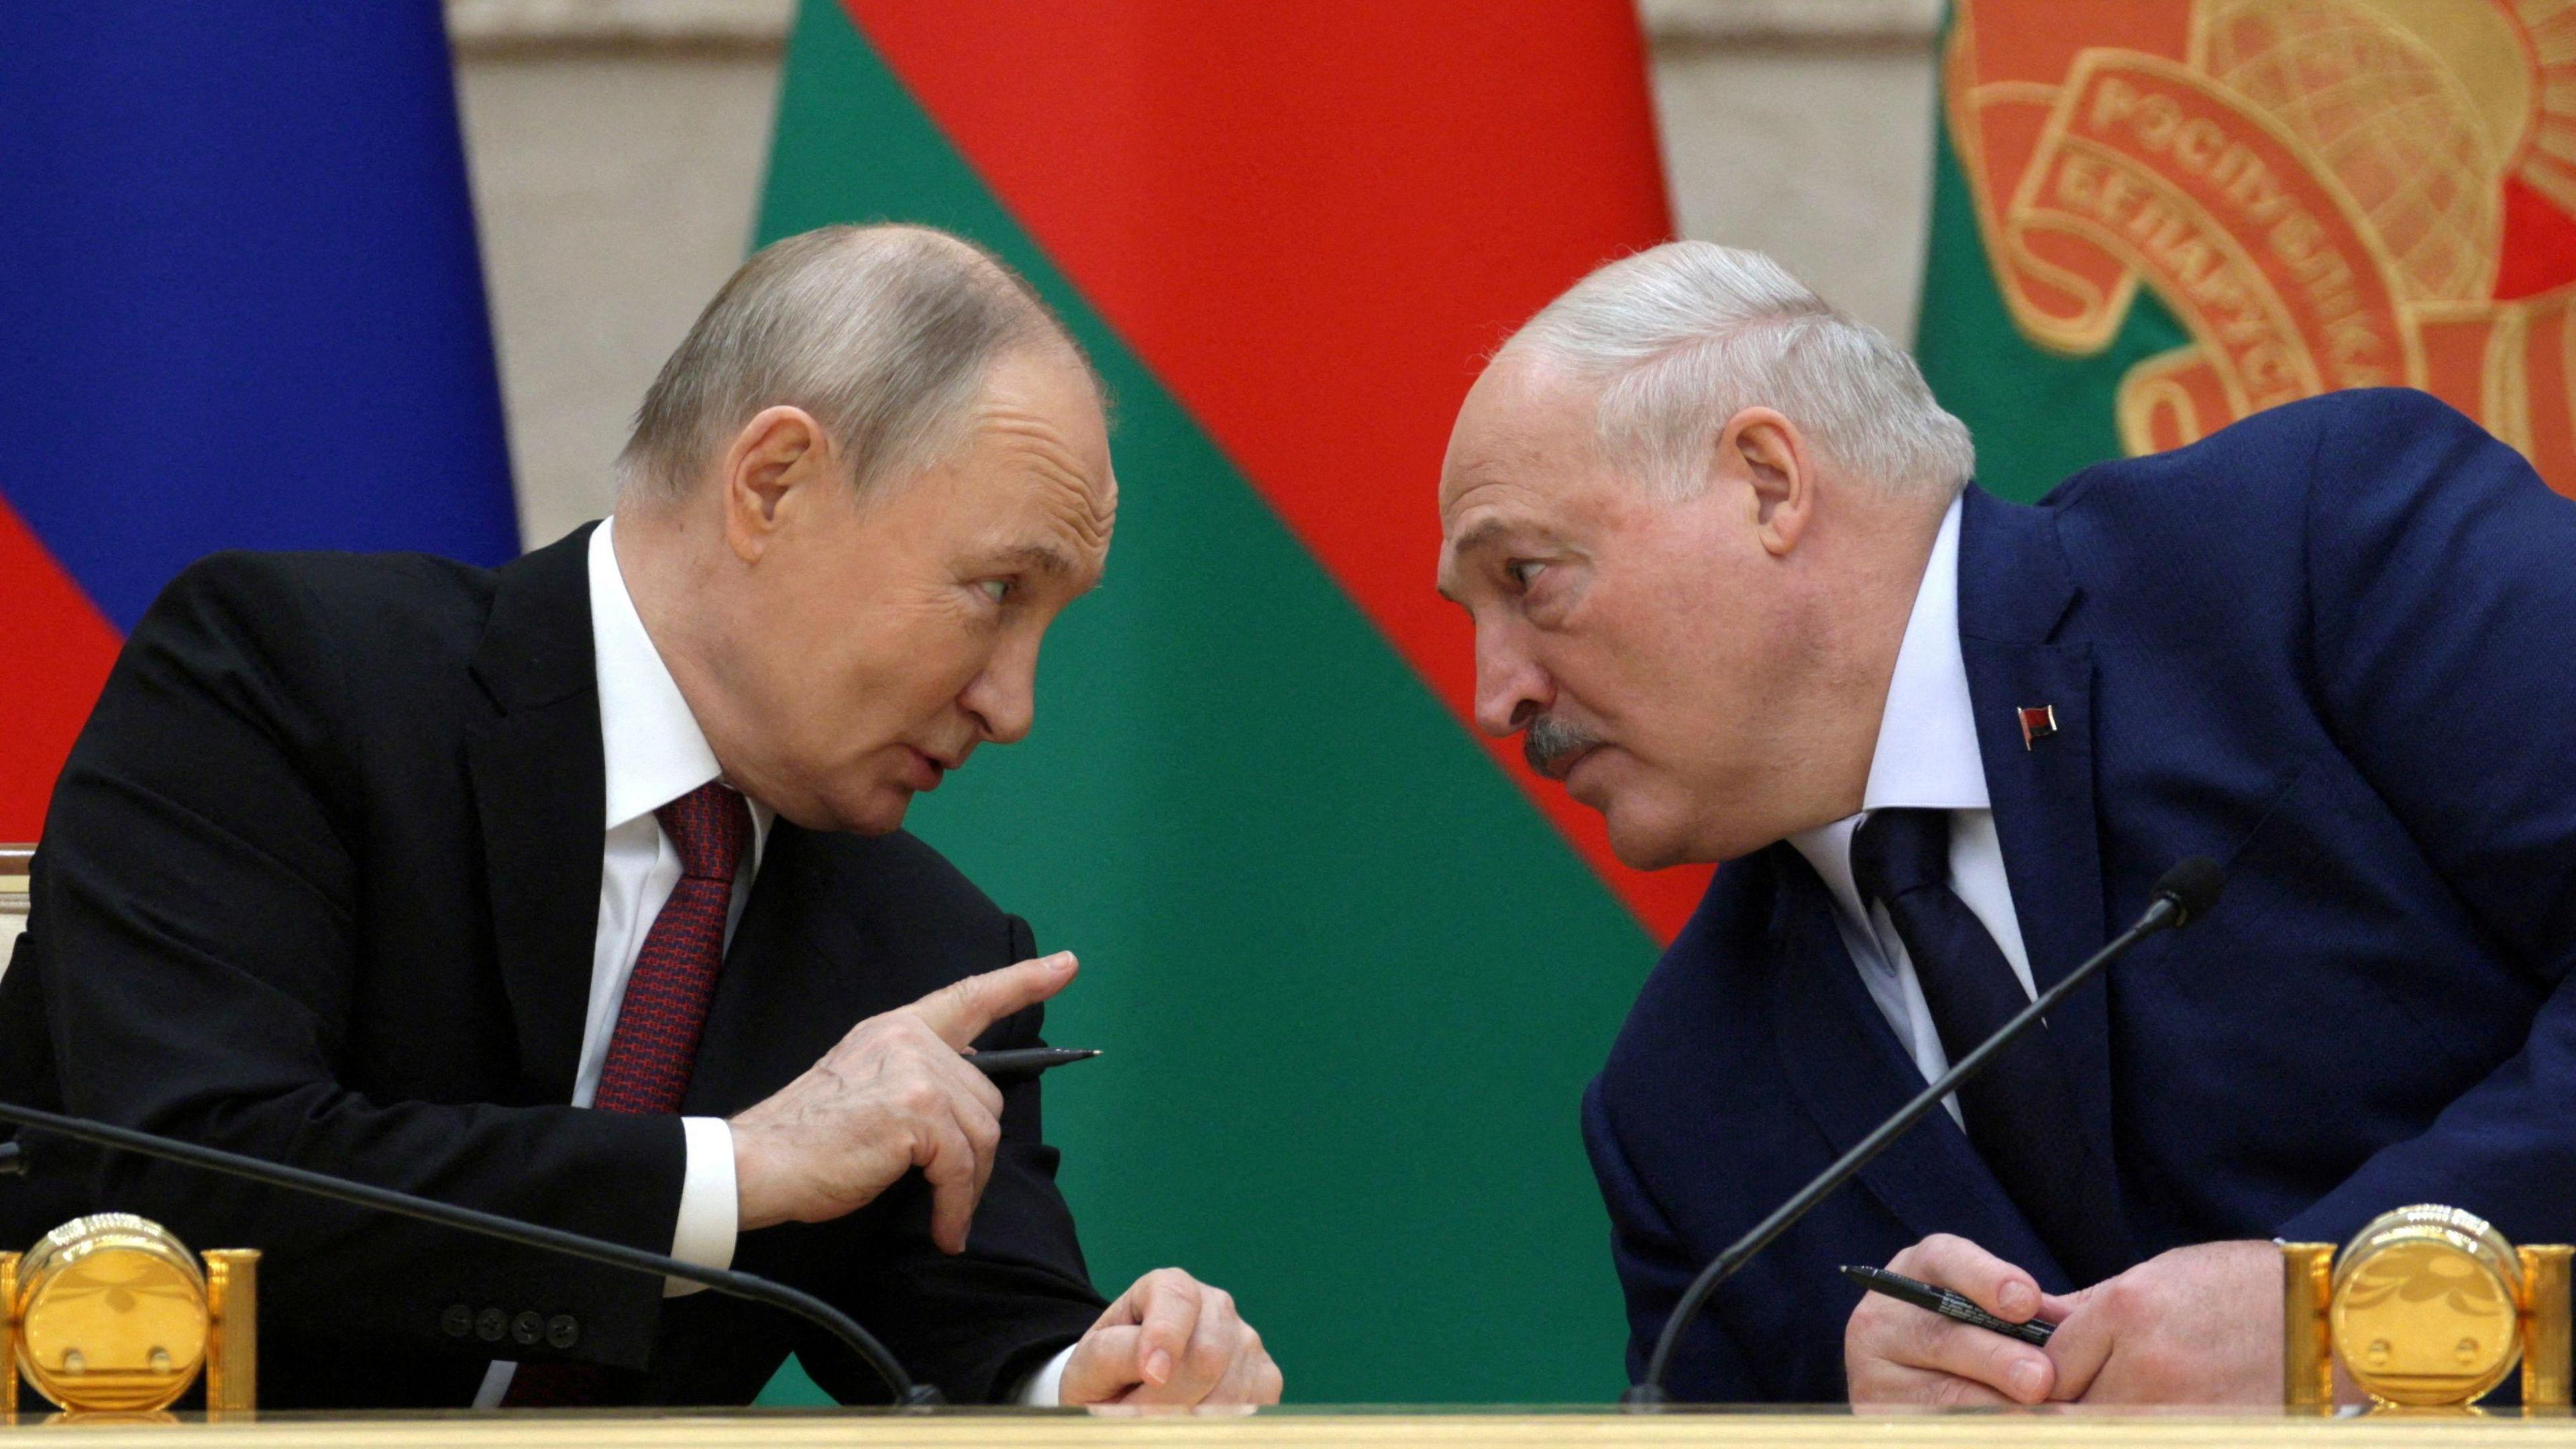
point(1546, 741)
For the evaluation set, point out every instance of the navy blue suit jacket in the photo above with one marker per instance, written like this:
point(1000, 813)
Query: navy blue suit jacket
point(2333, 647)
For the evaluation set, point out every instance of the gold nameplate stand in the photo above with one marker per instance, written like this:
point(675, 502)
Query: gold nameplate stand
point(8, 1338)
point(232, 1334)
point(2426, 1308)
point(110, 1315)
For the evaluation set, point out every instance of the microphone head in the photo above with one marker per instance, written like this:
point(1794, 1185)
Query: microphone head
point(2193, 886)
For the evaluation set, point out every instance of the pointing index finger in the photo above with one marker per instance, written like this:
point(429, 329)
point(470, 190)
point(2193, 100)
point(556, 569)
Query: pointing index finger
point(961, 1010)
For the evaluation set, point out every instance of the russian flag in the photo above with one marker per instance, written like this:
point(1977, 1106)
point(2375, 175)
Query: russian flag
point(240, 307)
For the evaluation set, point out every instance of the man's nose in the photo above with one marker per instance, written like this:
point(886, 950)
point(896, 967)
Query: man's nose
point(1510, 686)
point(1004, 698)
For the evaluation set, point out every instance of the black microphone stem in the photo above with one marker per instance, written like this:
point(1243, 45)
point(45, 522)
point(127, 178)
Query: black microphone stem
point(616, 1255)
point(1649, 1391)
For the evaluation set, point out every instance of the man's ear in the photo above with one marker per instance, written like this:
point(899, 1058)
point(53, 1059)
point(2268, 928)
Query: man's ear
point(767, 469)
point(1763, 466)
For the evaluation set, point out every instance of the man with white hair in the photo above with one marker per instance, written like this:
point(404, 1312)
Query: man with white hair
point(575, 891)
point(1731, 581)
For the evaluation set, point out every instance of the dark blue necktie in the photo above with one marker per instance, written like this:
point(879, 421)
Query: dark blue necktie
point(2020, 1110)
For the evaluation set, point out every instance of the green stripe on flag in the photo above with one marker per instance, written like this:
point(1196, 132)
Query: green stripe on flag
point(1350, 981)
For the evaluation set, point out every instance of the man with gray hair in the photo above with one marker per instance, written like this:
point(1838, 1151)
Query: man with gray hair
point(1731, 581)
point(575, 891)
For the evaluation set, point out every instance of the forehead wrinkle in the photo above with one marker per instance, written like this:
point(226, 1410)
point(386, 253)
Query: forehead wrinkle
point(1500, 449)
point(1033, 432)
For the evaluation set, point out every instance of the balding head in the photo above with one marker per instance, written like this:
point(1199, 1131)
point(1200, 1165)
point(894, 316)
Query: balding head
point(857, 496)
point(885, 334)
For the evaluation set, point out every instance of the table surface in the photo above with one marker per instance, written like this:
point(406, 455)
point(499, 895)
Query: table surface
point(1479, 1428)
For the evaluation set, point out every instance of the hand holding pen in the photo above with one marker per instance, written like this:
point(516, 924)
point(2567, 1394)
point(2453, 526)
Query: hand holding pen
point(1953, 1306)
point(1897, 1353)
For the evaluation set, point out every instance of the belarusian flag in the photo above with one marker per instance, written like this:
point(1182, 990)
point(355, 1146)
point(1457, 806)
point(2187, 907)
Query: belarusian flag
point(1351, 965)
point(2154, 217)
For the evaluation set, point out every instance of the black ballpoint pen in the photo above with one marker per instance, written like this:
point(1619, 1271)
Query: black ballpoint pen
point(1946, 1303)
point(1025, 1061)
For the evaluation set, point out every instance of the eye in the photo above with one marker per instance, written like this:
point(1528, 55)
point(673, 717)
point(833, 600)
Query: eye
point(1524, 571)
point(995, 589)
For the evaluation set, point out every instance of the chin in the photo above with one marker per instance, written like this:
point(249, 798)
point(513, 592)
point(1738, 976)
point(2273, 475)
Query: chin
point(1646, 844)
point(1646, 835)
point(878, 810)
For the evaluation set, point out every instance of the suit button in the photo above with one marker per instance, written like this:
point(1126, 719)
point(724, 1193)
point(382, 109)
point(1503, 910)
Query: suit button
point(457, 1321)
point(528, 1329)
point(562, 1331)
point(491, 1325)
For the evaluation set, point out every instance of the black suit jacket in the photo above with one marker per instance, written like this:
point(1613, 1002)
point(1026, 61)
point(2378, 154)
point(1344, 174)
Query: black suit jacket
point(319, 884)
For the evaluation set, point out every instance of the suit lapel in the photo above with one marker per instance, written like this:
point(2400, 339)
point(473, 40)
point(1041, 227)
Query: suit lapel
point(1851, 1073)
point(2014, 588)
point(540, 790)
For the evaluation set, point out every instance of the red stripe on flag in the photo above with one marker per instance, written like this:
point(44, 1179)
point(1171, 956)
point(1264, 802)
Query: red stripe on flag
point(57, 650)
point(1312, 221)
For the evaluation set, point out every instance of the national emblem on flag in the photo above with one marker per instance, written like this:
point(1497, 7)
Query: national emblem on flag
point(2317, 194)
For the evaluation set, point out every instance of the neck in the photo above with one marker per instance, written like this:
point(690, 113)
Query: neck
point(1867, 618)
point(663, 565)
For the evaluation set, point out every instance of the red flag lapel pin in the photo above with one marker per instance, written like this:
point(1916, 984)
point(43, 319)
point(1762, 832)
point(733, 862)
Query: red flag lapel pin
point(2038, 722)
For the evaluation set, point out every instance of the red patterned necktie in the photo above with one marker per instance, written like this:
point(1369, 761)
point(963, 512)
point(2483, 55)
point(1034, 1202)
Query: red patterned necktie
point(655, 1046)
point(654, 1049)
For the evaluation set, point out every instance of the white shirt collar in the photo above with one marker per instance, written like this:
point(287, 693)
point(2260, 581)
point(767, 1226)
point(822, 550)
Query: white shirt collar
point(1926, 754)
point(1927, 737)
point(650, 743)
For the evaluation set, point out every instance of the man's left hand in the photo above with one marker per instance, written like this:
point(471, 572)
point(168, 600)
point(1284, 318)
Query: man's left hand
point(2198, 1325)
point(1170, 1340)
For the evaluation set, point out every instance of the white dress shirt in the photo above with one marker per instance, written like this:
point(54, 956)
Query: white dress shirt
point(654, 753)
point(1926, 758)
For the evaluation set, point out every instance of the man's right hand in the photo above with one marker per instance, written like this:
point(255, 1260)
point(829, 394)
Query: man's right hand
point(893, 1095)
point(1895, 1354)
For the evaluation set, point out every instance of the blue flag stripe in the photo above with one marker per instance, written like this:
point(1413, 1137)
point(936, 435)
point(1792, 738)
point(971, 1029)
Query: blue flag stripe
point(239, 281)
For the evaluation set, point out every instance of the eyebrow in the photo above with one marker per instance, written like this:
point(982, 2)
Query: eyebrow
point(1040, 557)
point(1482, 535)
point(1473, 540)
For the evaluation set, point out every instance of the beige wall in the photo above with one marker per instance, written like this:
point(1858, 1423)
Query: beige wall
point(616, 149)
point(616, 153)
point(1803, 128)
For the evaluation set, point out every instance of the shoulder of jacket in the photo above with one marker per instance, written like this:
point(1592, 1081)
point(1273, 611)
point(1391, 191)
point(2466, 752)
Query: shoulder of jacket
point(346, 598)
point(901, 867)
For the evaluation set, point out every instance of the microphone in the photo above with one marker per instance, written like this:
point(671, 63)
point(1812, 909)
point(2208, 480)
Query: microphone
point(2183, 895)
point(907, 1394)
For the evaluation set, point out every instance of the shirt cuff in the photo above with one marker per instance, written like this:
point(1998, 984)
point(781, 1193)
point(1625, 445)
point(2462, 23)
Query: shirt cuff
point(710, 1207)
point(1042, 1389)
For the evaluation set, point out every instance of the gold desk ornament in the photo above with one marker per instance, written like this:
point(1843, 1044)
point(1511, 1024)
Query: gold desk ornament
point(110, 1314)
point(8, 1337)
point(2426, 1307)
